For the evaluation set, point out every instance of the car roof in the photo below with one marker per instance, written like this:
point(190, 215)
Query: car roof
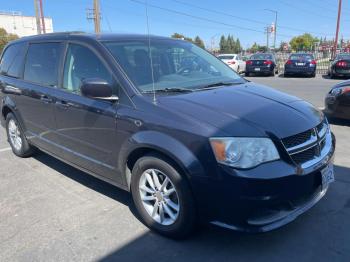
point(88, 36)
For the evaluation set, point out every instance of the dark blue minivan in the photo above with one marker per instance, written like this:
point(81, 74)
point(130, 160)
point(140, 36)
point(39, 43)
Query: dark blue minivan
point(162, 118)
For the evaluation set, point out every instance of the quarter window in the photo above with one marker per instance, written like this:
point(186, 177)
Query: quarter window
point(42, 63)
point(12, 61)
point(81, 63)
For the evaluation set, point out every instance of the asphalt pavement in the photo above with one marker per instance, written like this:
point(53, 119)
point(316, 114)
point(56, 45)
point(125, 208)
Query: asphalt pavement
point(50, 211)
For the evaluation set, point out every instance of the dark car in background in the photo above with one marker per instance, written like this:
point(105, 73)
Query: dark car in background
point(340, 66)
point(261, 64)
point(300, 64)
point(169, 122)
point(337, 102)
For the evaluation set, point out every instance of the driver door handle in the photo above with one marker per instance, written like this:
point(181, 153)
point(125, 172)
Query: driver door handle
point(46, 99)
point(63, 104)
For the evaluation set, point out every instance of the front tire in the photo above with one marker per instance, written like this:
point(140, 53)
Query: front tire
point(163, 197)
point(16, 138)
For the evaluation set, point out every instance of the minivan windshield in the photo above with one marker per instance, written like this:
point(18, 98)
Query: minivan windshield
point(176, 65)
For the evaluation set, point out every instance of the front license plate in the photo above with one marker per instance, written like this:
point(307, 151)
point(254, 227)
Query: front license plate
point(327, 175)
point(257, 69)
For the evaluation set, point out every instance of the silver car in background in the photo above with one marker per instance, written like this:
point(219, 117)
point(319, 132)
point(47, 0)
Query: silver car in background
point(234, 61)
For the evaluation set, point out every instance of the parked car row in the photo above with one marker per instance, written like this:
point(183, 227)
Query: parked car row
point(303, 64)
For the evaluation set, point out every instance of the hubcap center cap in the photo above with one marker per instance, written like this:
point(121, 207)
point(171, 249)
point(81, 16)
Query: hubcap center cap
point(159, 196)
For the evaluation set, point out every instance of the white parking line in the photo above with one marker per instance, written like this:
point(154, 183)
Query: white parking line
point(5, 149)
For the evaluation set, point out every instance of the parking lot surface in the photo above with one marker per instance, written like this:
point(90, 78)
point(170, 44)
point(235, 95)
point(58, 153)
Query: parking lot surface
point(50, 211)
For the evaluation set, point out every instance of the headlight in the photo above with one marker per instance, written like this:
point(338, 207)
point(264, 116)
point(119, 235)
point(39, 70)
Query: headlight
point(336, 91)
point(243, 152)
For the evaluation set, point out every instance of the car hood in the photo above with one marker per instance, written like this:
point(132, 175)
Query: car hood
point(246, 110)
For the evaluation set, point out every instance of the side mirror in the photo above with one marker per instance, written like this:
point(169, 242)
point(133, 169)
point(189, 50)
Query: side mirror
point(98, 89)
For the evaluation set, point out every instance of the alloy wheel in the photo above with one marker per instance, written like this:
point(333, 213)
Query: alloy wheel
point(15, 135)
point(159, 197)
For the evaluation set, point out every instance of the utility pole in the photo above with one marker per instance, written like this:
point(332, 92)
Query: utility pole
point(267, 37)
point(337, 30)
point(97, 16)
point(275, 27)
point(42, 16)
point(37, 17)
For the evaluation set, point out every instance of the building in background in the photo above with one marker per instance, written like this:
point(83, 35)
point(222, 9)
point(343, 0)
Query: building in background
point(16, 23)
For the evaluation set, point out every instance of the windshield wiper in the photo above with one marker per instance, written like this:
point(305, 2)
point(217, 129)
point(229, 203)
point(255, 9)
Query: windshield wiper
point(169, 90)
point(218, 84)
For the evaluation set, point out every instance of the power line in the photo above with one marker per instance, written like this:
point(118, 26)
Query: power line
point(242, 18)
point(309, 12)
point(202, 18)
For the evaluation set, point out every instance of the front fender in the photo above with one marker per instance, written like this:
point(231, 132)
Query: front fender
point(165, 144)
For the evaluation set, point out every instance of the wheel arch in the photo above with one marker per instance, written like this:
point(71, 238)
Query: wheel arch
point(162, 145)
point(9, 106)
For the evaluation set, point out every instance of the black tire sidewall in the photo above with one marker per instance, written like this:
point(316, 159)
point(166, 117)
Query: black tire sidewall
point(186, 218)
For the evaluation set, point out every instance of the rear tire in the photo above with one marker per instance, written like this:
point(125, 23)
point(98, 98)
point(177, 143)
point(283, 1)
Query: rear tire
point(170, 215)
point(16, 138)
point(246, 74)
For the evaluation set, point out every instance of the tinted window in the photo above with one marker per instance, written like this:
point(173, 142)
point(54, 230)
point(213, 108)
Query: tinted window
point(343, 56)
point(261, 57)
point(301, 57)
point(82, 63)
point(42, 63)
point(12, 60)
point(226, 57)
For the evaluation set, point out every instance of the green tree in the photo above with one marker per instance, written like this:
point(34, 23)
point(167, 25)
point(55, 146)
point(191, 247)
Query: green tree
point(223, 44)
point(199, 42)
point(238, 46)
point(231, 44)
point(303, 42)
point(5, 38)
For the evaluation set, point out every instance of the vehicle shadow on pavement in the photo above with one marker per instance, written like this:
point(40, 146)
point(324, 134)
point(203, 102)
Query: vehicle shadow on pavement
point(87, 180)
point(335, 78)
point(296, 241)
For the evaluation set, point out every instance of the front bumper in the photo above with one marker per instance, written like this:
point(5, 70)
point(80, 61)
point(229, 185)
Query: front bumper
point(242, 201)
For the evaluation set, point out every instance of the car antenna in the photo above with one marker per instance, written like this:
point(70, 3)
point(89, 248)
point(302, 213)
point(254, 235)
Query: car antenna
point(150, 54)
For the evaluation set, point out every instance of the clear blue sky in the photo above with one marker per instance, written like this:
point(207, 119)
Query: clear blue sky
point(294, 17)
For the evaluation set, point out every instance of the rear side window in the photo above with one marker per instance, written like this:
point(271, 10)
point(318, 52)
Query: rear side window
point(42, 63)
point(12, 60)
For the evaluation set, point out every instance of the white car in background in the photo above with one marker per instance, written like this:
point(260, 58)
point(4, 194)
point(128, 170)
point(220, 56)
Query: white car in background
point(234, 61)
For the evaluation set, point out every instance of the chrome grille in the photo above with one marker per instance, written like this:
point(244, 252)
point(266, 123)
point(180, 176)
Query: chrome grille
point(310, 146)
point(298, 139)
